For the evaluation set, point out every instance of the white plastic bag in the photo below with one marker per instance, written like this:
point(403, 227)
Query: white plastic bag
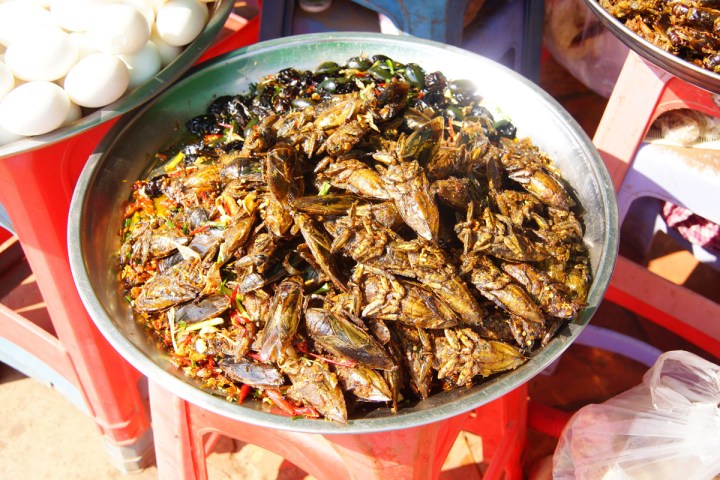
point(578, 41)
point(668, 427)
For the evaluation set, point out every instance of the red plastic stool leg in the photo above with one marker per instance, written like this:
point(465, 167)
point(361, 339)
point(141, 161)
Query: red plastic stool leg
point(35, 188)
point(619, 134)
point(658, 299)
point(502, 425)
point(414, 453)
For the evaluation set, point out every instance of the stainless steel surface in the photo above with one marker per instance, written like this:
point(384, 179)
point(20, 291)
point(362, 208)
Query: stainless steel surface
point(673, 64)
point(219, 12)
point(124, 154)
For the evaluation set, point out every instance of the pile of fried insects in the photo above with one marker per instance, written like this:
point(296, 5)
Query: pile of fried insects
point(688, 29)
point(357, 236)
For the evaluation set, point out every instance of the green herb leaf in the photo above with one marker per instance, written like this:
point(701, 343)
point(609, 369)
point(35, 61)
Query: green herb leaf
point(210, 322)
point(324, 189)
point(174, 161)
point(324, 289)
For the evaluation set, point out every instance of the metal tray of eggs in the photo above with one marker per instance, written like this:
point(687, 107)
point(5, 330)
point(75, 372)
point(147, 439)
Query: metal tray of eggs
point(69, 65)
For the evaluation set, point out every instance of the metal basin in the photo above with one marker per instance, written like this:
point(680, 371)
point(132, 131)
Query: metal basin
point(673, 64)
point(219, 12)
point(124, 154)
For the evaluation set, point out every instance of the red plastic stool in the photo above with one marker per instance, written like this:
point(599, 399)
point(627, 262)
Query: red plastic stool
point(36, 187)
point(417, 453)
point(642, 93)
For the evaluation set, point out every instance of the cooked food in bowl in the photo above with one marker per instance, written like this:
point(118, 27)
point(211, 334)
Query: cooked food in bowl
point(365, 233)
point(687, 29)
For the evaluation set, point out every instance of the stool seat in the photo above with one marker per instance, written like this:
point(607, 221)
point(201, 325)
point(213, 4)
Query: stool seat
point(686, 177)
point(683, 176)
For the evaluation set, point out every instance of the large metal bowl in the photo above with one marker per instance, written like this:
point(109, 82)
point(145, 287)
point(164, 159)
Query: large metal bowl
point(124, 156)
point(219, 12)
point(673, 64)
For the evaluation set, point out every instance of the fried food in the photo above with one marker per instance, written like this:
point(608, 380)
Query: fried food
point(364, 234)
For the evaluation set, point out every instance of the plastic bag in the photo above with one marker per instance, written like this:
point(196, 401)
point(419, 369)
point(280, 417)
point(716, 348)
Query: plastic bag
point(685, 127)
point(668, 427)
point(577, 40)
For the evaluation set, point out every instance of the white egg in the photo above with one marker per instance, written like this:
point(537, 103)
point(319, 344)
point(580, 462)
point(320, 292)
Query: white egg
point(179, 22)
point(97, 80)
point(20, 17)
point(34, 108)
point(168, 53)
point(145, 9)
point(84, 44)
point(7, 80)
point(41, 54)
point(74, 113)
point(156, 4)
point(118, 28)
point(8, 137)
point(74, 15)
point(142, 65)
point(41, 3)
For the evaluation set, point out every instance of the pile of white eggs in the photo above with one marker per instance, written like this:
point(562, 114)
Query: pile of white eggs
point(60, 58)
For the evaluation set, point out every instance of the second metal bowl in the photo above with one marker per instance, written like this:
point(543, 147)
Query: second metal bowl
point(673, 64)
